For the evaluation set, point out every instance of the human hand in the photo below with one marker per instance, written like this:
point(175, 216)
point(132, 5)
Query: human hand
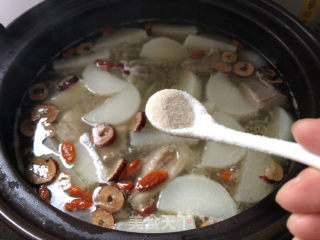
point(301, 195)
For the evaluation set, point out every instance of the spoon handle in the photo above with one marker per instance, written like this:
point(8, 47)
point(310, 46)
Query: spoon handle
point(286, 149)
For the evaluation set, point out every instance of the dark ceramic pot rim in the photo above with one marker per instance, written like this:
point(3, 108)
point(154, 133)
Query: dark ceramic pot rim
point(42, 26)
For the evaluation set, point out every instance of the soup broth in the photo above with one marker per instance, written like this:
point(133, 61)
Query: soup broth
point(88, 149)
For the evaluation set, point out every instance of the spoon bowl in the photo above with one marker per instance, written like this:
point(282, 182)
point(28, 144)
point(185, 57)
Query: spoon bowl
point(206, 128)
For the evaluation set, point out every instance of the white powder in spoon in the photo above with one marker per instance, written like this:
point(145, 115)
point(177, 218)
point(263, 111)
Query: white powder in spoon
point(169, 108)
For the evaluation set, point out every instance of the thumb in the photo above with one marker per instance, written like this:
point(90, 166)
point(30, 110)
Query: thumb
point(307, 133)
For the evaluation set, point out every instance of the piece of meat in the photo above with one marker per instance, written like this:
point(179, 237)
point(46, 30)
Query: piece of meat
point(260, 93)
point(168, 158)
point(204, 62)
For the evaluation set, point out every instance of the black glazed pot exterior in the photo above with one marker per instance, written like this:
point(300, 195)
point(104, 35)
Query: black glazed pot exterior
point(34, 39)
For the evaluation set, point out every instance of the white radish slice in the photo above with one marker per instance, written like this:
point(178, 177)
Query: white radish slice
point(125, 35)
point(177, 32)
point(280, 125)
point(69, 64)
point(251, 188)
point(198, 196)
point(73, 95)
point(102, 82)
point(117, 109)
point(227, 97)
point(190, 83)
point(253, 57)
point(157, 224)
point(210, 106)
point(88, 164)
point(163, 48)
point(218, 155)
point(195, 42)
point(151, 138)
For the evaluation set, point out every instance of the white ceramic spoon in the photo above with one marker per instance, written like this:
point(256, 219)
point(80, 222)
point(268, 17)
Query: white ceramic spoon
point(204, 127)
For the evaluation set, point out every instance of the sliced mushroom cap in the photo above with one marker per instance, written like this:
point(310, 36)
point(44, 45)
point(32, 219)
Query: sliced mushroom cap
point(48, 111)
point(38, 92)
point(41, 171)
point(110, 198)
point(102, 218)
point(102, 134)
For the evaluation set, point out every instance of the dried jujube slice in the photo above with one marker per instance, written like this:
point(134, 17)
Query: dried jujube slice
point(65, 83)
point(38, 92)
point(41, 171)
point(102, 134)
point(27, 128)
point(102, 218)
point(84, 48)
point(229, 57)
point(138, 121)
point(243, 69)
point(48, 111)
point(110, 198)
point(120, 166)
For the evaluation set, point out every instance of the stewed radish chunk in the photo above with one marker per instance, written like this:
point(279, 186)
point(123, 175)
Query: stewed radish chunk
point(197, 195)
point(41, 171)
point(280, 125)
point(195, 42)
point(110, 198)
point(251, 188)
point(227, 97)
point(152, 138)
point(117, 109)
point(122, 36)
point(218, 155)
point(88, 163)
point(102, 82)
point(176, 32)
point(164, 49)
point(189, 82)
point(71, 64)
